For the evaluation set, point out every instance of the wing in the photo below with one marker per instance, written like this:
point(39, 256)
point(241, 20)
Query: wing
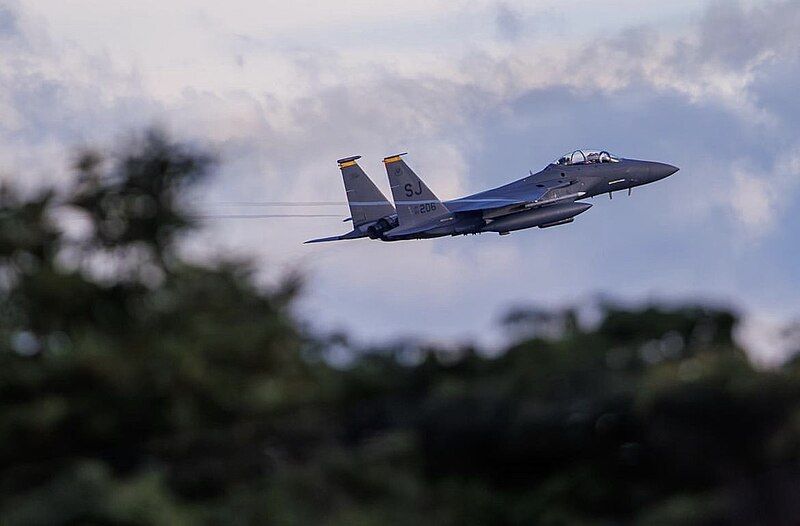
point(514, 195)
point(473, 204)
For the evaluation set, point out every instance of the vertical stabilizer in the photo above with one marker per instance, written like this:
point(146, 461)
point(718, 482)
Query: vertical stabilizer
point(416, 205)
point(367, 202)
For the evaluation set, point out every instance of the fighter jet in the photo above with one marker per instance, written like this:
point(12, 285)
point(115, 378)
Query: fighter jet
point(545, 199)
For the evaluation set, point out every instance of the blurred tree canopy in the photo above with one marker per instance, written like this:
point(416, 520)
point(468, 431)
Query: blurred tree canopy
point(139, 387)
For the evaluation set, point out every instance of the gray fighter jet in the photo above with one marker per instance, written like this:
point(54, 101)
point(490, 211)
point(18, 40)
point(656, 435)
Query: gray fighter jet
point(548, 198)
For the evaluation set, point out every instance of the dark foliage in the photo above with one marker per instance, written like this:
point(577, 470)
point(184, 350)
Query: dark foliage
point(139, 387)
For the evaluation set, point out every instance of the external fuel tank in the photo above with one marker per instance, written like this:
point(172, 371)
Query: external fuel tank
point(536, 217)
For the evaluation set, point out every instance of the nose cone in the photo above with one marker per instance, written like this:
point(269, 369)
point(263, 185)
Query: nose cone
point(661, 170)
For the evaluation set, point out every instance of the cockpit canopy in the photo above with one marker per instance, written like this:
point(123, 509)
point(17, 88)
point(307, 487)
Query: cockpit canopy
point(587, 157)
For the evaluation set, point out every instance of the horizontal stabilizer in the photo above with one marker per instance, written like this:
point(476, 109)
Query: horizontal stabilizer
point(401, 232)
point(350, 235)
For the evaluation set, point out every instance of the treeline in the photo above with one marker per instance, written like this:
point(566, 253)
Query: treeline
point(139, 387)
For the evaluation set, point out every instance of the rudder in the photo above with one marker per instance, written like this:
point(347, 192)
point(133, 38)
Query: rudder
point(367, 203)
point(415, 203)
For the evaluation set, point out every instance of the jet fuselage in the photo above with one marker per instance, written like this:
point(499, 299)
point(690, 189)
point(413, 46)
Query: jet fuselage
point(573, 182)
point(547, 198)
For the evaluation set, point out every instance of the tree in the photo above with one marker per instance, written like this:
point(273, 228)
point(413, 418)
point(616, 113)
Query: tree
point(140, 387)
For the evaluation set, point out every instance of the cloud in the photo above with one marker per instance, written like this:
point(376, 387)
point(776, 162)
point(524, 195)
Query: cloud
point(473, 112)
point(8, 22)
point(54, 97)
point(759, 198)
point(752, 200)
point(768, 339)
point(509, 22)
point(734, 36)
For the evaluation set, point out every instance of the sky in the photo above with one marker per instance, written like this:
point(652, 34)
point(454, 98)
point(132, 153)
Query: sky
point(478, 93)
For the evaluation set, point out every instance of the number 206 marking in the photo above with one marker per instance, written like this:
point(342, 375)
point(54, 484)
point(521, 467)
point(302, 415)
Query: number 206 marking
point(427, 207)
